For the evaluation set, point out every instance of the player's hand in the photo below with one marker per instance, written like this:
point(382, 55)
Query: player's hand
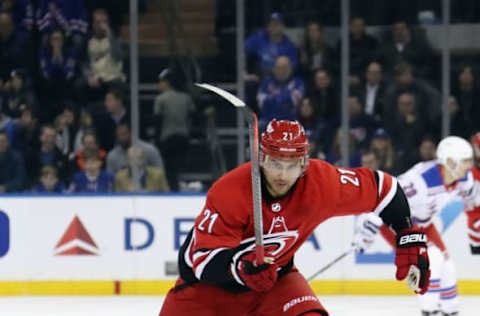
point(411, 259)
point(366, 230)
point(259, 278)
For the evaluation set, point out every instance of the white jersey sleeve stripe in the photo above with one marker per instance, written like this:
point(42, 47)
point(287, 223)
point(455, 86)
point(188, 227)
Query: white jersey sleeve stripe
point(388, 197)
point(199, 269)
point(380, 182)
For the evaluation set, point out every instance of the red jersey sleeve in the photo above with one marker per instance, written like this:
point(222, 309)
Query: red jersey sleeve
point(362, 190)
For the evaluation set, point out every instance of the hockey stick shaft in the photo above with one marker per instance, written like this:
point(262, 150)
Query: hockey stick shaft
point(331, 263)
point(252, 121)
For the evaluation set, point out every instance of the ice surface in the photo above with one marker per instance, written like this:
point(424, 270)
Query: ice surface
point(150, 305)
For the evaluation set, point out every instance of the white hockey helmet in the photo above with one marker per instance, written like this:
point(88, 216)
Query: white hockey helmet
point(456, 149)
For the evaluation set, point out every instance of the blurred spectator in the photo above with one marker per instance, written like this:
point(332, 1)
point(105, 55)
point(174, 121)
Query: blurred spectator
point(263, 47)
point(315, 52)
point(90, 143)
point(21, 12)
point(26, 131)
point(104, 65)
point(370, 160)
point(460, 124)
point(117, 157)
point(16, 93)
point(85, 125)
point(404, 47)
point(49, 182)
point(12, 167)
point(373, 91)
point(93, 178)
point(428, 99)
point(466, 91)
point(324, 95)
point(173, 109)
point(279, 96)
point(381, 145)
point(65, 126)
point(116, 114)
point(407, 130)
point(314, 127)
point(334, 156)
point(48, 154)
point(361, 47)
point(58, 67)
point(149, 179)
point(69, 16)
point(7, 125)
point(15, 50)
point(362, 125)
point(427, 149)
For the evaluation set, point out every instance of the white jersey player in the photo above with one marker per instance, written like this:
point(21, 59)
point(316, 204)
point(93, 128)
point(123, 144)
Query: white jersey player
point(429, 186)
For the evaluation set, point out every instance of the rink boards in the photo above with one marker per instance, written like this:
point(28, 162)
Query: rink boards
point(89, 245)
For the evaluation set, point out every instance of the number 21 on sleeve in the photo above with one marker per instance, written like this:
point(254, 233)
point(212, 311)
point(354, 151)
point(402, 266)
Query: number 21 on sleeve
point(348, 176)
point(210, 217)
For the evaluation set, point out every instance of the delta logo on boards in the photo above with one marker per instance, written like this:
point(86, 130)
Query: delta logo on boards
point(76, 241)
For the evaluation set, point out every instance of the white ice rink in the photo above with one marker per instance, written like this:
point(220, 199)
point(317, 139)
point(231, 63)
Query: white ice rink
point(150, 305)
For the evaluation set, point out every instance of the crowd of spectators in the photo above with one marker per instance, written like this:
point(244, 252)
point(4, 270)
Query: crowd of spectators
point(394, 105)
point(64, 119)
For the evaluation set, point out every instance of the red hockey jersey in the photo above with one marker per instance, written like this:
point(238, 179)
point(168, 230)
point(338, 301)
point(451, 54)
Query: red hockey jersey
point(324, 191)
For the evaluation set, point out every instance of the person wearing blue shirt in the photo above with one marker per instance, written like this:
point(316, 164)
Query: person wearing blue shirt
point(93, 178)
point(279, 96)
point(266, 45)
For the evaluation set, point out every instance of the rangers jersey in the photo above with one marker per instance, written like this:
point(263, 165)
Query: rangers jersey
point(224, 230)
point(427, 194)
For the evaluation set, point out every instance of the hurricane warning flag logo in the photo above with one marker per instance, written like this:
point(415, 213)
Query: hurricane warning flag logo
point(76, 241)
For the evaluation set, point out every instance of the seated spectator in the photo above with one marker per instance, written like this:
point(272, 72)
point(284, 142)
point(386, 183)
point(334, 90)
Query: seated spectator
point(48, 154)
point(64, 124)
point(404, 47)
point(58, 68)
point(334, 156)
point(265, 46)
point(49, 182)
point(428, 99)
point(315, 128)
point(173, 109)
point(103, 68)
point(21, 11)
point(106, 121)
point(85, 125)
point(117, 157)
point(324, 96)
point(26, 131)
point(361, 47)
point(139, 177)
point(362, 125)
point(12, 167)
point(370, 160)
point(17, 92)
point(279, 96)
point(407, 130)
point(427, 149)
point(315, 52)
point(7, 125)
point(381, 145)
point(460, 125)
point(93, 178)
point(467, 93)
point(373, 91)
point(90, 143)
point(16, 50)
point(69, 16)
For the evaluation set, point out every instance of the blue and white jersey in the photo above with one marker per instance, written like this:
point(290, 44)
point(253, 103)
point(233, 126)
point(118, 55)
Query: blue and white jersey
point(427, 194)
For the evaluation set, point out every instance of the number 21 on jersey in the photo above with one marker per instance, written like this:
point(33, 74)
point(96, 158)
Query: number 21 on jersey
point(209, 217)
point(348, 176)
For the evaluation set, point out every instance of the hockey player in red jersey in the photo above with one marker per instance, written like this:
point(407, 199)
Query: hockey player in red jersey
point(473, 215)
point(219, 274)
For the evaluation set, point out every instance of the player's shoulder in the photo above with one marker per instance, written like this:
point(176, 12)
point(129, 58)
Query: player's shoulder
point(233, 184)
point(424, 172)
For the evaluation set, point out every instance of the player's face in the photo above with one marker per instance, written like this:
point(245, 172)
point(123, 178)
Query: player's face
point(281, 174)
point(464, 166)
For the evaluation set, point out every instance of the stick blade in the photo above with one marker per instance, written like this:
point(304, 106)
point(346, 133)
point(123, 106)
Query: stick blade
point(225, 94)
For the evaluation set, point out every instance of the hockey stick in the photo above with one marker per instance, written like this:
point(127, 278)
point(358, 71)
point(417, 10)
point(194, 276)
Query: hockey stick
point(337, 259)
point(252, 121)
